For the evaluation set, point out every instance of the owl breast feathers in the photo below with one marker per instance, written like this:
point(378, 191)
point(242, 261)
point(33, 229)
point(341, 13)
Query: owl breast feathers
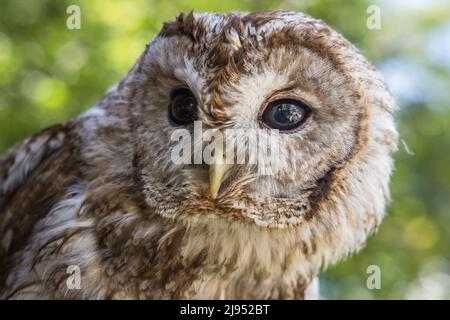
point(102, 194)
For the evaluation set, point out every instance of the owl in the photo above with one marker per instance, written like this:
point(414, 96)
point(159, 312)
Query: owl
point(98, 208)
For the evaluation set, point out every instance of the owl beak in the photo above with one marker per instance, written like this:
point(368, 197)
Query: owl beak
point(218, 172)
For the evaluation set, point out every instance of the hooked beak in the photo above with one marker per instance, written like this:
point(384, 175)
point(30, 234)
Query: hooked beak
point(218, 172)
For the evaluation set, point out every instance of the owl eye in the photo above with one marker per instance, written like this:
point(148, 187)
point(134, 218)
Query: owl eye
point(183, 107)
point(285, 114)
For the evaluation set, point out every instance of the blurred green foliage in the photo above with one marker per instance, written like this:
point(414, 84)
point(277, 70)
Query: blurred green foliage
point(49, 74)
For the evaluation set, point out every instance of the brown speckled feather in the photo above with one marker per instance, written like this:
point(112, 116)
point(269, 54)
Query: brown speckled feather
point(33, 177)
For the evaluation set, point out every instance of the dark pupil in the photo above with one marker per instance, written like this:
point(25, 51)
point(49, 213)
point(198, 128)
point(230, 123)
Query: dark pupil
point(287, 114)
point(184, 108)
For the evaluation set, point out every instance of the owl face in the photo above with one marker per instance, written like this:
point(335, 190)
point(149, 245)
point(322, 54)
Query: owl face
point(257, 76)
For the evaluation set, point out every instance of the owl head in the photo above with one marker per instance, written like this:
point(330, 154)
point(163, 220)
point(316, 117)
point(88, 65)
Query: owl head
point(254, 77)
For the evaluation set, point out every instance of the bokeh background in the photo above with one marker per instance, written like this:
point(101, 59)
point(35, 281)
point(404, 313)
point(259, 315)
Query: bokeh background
point(49, 74)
